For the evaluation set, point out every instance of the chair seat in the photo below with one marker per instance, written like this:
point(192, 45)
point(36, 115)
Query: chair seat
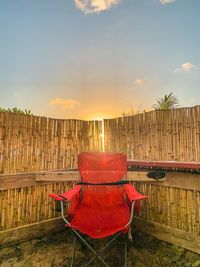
point(99, 222)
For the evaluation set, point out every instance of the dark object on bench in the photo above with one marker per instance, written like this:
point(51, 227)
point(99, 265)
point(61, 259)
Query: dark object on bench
point(157, 175)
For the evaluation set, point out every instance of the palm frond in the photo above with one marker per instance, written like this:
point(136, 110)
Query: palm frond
point(167, 102)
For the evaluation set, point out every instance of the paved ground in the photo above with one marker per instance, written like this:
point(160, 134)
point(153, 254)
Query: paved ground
point(55, 251)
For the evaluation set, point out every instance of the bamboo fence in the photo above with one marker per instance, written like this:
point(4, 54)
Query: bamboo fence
point(24, 206)
point(30, 143)
point(174, 207)
point(156, 135)
point(170, 206)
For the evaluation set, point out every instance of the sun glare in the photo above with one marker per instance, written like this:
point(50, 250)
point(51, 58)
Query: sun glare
point(99, 117)
point(96, 117)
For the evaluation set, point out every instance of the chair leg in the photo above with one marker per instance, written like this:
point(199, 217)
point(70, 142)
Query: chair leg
point(125, 254)
point(73, 253)
point(95, 252)
point(98, 253)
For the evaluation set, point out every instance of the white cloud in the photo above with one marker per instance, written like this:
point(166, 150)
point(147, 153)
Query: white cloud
point(139, 81)
point(95, 6)
point(64, 103)
point(185, 67)
point(166, 1)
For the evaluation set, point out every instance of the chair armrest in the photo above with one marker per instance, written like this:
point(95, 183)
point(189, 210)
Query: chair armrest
point(67, 195)
point(71, 193)
point(132, 193)
point(56, 197)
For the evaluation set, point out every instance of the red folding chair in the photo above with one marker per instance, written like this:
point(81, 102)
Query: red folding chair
point(102, 204)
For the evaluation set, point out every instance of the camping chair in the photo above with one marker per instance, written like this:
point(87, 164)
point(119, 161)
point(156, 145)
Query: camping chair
point(102, 204)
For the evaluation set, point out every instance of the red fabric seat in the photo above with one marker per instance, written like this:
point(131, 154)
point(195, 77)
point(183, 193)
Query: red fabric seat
point(102, 204)
point(101, 214)
point(102, 167)
point(100, 210)
point(96, 209)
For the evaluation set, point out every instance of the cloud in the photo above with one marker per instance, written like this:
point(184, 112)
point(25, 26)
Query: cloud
point(95, 6)
point(185, 67)
point(139, 81)
point(64, 103)
point(166, 1)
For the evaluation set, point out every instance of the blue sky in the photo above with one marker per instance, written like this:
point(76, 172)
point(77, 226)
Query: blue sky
point(95, 58)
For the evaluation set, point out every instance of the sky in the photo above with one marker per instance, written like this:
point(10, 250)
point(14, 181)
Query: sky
point(93, 59)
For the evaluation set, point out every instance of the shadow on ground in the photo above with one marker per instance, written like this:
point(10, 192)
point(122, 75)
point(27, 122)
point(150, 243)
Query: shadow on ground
point(55, 251)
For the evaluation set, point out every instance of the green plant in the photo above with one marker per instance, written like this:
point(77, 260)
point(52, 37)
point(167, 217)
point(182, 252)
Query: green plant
point(167, 102)
point(16, 110)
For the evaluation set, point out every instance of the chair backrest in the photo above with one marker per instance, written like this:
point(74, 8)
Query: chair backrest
point(102, 167)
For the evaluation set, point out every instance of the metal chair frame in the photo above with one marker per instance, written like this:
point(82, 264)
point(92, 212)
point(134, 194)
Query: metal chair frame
point(96, 253)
